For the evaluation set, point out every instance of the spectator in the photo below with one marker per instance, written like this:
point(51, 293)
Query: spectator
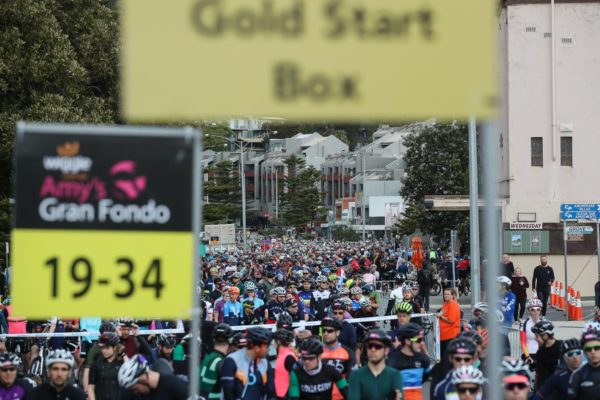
point(543, 277)
point(519, 288)
point(449, 317)
point(507, 268)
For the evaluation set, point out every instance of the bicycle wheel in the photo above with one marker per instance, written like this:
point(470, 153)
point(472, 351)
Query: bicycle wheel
point(435, 289)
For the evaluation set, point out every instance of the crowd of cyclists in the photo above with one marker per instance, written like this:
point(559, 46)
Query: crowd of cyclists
point(279, 321)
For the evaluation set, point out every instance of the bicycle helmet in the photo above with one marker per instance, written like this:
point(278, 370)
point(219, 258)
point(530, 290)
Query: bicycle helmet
point(403, 307)
point(8, 360)
point(472, 335)
point(407, 286)
point(591, 325)
point(258, 336)
point(167, 340)
point(233, 290)
point(331, 323)
point(344, 291)
point(249, 285)
point(185, 343)
point(415, 286)
point(505, 280)
point(325, 271)
point(222, 333)
point(399, 278)
point(355, 290)
point(364, 302)
point(367, 289)
point(311, 347)
point(590, 335)
point(347, 302)
point(284, 336)
point(321, 279)
point(467, 374)
point(106, 326)
point(279, 291)
point(239, 340)
point(108, 339)
point(409, 331)
point(379, 335)
point(481, 306)
point(462, 345)
point(333, 277)
point(515, 367)
point(236, 275)
point(571, 344)
point(131, 370)
point(534, 303)
point(284, 320)
point(542, 327)
point(60, 356)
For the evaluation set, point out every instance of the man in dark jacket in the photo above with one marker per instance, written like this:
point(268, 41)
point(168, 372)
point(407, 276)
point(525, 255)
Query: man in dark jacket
point(543, 277)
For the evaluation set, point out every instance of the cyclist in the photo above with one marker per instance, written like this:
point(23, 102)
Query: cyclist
point(210, 370)
point(348, 331)
point(507, 299)
point(468, 382)
point(321, 298)
point(335, 353)
point(162, 355)
point(285, 362)
point(314, 380)
point(585, 381)
point(12, 388)
point(557, 386)
point(140, 382)
point(548, 354)
point(104, 371)
point(375, 381)
point(410, 361)
point(516, 380)
point(59, 365)
point(246, 373)
point(461, 351)
point(529, 344)
point(275, 306)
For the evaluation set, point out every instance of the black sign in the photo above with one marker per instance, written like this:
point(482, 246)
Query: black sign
point(103, 179)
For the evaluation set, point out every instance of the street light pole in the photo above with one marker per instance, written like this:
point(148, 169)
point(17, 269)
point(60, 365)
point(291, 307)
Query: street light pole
point(243, 178)
point(362, 200)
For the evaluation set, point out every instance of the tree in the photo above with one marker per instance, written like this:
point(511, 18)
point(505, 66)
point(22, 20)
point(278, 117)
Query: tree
point(58, 63)
point(214, 136)
point(222, 189)
point(437, 163)
point(301, 199)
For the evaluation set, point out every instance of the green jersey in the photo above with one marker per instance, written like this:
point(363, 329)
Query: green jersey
point(365, 386)
point(210, 375)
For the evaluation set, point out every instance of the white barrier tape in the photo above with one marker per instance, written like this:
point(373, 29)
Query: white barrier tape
point(90, 334)
point(304, 324)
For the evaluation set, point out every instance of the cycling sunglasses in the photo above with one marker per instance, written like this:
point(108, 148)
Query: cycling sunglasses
point(574, 353)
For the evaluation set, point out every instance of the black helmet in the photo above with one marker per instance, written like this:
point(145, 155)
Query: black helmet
point(332, 323)
point(590, 335)
point(106, 326)
point(259, 336)
point(222, 333)
point(568, 345)
point(311, 347)
point(167, 340)
point(462, 345)
point(367, 289)
point(474, 336)
point(239, 340)
point(285, 321)
point(379, 335)
point(409, 330)
point(284, 336)
point(108, 339)
point(542, 327)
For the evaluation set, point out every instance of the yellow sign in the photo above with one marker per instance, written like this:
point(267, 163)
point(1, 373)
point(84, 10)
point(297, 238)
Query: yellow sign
point(78, 273)
point(309, 59)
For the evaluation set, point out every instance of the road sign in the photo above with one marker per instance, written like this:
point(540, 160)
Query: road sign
point(580, 207)
point(579, 230)
point(309, 59)
point(580, 215)
point(103, 221)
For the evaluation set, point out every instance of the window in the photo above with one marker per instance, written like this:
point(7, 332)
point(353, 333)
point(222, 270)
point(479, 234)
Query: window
point(537, 152)
point(566, 151)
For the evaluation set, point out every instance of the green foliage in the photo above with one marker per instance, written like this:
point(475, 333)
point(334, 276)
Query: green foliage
point(58, 63)
point(214, 136)
point(300, 202)
point(223, 190)
point(437, 163)
point(346, 234)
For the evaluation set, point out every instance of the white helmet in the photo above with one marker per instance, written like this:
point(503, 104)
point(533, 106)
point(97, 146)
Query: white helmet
point(534, 303)
point(467, 374)
point(60, 356)
point(131, 370)
point(504, 280)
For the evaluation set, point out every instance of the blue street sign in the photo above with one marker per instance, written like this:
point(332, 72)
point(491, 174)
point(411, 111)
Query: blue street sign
point(576, 215)
point(580, 207)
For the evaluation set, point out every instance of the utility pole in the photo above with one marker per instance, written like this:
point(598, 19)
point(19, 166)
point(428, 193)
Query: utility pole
point(362, 200)
point(243, 178)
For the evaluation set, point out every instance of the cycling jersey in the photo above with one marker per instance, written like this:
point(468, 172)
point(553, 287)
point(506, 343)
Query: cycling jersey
point(210, 379)
point(584, 383)
point(17, 391)
point(528, 343)
point(305, 297)
point(365, 386)
point(316, 384)
point(246, 379)
point(341, 358)
point(414, 371)
point(556, 387)
point(232, 313)
point(322, 298)
point(274, 308)
point(506, 304)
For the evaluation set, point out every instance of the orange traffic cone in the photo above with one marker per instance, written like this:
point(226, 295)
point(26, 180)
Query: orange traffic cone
point(578, 307)
point(562, 302)
point(569, 304)
point(554, 296)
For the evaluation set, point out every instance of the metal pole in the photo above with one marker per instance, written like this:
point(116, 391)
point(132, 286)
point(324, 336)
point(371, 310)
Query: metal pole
point(197, 266)
point(490, 179)
point(276, 194)
point(362, 200)
point(565, 256)
point(452, 244)
point(243, 178)
point(597, 246)
point(474, 214)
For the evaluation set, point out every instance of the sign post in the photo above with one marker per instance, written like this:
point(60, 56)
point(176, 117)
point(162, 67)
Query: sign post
point(105, 221)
